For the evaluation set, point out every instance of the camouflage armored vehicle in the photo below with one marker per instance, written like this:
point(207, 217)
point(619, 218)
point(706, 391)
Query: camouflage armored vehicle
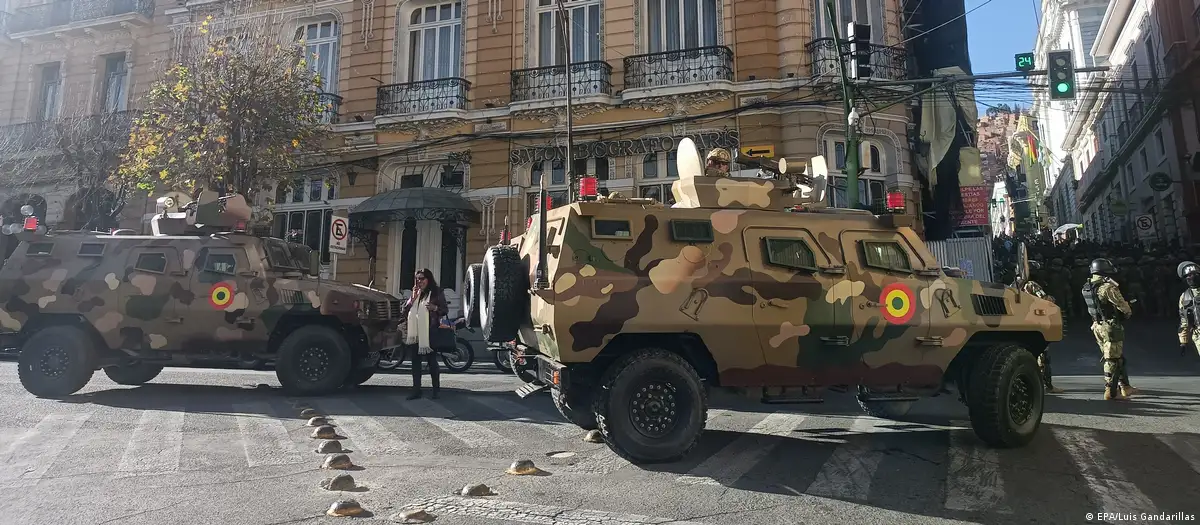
point(752, 284)
point(199, 292)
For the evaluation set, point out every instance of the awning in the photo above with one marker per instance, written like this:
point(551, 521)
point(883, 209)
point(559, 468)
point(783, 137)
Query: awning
point(422, 204)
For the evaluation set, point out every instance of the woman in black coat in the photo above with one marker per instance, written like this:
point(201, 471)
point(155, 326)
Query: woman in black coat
point(421, 313)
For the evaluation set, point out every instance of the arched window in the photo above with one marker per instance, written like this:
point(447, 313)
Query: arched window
point(658, 173)
point(322, 44)
point(435, 42)
point(681, 24)
point(875, 161)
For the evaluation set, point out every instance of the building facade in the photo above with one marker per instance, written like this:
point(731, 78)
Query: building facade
point(449, 113)
point(995, 129)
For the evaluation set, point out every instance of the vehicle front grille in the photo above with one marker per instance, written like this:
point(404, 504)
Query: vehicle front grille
point(386, 310)
point(989, 305)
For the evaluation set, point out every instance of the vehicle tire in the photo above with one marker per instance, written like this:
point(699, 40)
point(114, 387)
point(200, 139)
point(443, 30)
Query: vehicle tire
point(56, 361)
point(502, 294)
point(575, 406)
point(138, 373)
point(313, 361)
point(359, 376)
point(886, 409)
point(1006, 396)
point(471, 297)
point(462, 360)
point(501, 358)
point(671, 383)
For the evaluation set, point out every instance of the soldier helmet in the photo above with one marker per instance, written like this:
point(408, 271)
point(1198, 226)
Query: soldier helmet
point(1035, 265)
point(719, 154)
point(1056, 261)
point(1103, 267)
point(1187, 267)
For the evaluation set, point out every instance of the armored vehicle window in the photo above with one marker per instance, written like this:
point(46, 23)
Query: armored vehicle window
point(220, 263)
point(691, 231)
point(91, 249)
point(39, 249)
point(886, 256)
point(151, 262)
point(611, 228)
point(789, 253)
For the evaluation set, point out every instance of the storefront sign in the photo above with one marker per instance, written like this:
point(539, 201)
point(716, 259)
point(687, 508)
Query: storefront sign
point(626, 147)
point(975, 205)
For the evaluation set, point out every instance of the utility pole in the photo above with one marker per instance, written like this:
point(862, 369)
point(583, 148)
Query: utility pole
point(565, 35)
point(852, 145)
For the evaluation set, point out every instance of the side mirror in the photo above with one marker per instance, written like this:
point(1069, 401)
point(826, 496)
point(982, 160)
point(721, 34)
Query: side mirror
point(314, 263)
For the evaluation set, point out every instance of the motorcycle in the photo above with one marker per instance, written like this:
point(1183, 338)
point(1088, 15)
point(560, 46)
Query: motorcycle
point(501, 356)
point(457, 360)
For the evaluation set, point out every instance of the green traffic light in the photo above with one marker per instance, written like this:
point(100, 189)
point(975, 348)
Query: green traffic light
point(1063, 87)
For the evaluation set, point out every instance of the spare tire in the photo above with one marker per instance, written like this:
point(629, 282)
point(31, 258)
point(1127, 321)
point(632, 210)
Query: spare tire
point(470, 296)
point(503, 294)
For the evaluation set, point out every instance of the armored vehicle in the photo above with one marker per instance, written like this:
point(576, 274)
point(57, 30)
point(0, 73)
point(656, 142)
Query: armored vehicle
point(200, 291)
point(629, 311)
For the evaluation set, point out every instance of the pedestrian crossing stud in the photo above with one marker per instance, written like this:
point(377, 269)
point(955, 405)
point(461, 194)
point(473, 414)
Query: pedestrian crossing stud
point(340, 482)
point(326, 432)
point(345, 507)
point(525, 467)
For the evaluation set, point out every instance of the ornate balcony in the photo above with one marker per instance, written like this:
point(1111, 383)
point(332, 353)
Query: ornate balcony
point(887, 63)
point(538, 93)
point(424, 107)
point(672, 81)
point(67, 16)
point(332, 104)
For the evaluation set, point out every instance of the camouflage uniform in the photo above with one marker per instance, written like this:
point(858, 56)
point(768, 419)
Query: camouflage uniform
point(1189, 309)
point(1033, 288)
point(1108, 310)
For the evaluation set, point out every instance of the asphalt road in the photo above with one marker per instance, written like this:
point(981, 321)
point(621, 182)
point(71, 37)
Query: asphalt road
point(209, 446)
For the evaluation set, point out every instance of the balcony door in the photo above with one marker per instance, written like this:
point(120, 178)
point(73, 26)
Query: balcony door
point(434, 57)
point(584, 27)
point(322, 48)
point(681, 28)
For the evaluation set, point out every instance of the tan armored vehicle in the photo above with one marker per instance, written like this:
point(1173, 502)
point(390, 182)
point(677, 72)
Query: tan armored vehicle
point(752, 284)
point(199, 292)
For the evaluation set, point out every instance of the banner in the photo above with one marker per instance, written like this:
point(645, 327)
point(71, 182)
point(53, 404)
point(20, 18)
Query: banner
point(975, 205)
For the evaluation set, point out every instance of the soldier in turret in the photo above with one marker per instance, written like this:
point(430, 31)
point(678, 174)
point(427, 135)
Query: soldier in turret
point(1189, 308)
point(716, 164)
point(1109, 311)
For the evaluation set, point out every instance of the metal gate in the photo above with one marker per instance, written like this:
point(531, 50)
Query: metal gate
point(972, 255)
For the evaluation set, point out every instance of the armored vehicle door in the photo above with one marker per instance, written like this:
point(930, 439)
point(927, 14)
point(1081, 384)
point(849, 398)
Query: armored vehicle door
point(219, 317)
point(149, 298)
point(793, 319)
point(887, 319)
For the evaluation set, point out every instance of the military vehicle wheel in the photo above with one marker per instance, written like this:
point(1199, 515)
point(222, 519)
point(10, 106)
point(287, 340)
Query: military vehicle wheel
point(56, 361)
point(575, 407)
point(502, 294)
point(138, 373)
point(313, 360)
point(1006, 397)
point(886, 409)
point(471, 297)
point(359, 376)
point(651, 407)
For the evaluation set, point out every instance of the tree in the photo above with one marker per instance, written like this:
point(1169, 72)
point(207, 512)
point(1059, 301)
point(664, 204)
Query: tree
point(81, 152)
point(234, 114)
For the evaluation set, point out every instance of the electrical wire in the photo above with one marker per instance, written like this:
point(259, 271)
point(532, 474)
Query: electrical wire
point(946, 23)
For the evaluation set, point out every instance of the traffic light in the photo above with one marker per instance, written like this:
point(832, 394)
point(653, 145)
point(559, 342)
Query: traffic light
point(1060, 69)
point(859, 36)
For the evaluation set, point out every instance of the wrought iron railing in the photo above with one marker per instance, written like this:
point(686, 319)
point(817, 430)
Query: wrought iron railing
point(677, 68)
point(887, 63)
point(422, 97)
point(63, 12)
point(332, 105)
point(541, 83)
point(39, 135)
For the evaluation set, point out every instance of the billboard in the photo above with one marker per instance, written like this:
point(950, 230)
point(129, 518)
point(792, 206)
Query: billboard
point(975, 201)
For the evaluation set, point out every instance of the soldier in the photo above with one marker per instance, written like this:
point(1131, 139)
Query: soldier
point(1189, 308)
point(1109, 310)
point(717, 163)
point(1031, 287)
point(1059, 280)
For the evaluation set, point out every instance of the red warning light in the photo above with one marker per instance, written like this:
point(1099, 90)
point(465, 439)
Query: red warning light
point(895, 201)
point(31, 223)
point(587, 187)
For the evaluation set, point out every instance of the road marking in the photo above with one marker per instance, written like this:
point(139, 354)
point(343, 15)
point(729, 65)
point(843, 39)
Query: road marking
point(265, 439)
point(1104, 478)
point(973, 479)
point(155, 444)
point(1185, 447)
point(533, 514)
point(848, 472)
point(28, 458)
point(737, 458)
point(367, 435)
point(518, 412)
point(469, 432)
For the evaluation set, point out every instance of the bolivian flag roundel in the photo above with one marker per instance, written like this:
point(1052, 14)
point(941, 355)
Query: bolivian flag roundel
point(897, 303)
point(220, 295)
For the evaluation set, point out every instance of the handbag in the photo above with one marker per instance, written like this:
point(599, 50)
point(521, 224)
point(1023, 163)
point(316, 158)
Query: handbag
point(441, 338)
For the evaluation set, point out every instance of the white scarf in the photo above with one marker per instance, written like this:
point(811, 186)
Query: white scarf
point(418, 325)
